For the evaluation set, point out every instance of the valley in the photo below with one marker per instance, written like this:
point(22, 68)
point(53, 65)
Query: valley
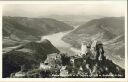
point(54, 38)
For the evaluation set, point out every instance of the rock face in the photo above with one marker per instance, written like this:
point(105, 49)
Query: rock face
point(30, 28)
point(29, 54)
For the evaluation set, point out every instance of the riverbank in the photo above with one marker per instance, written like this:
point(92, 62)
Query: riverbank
point(56, 40)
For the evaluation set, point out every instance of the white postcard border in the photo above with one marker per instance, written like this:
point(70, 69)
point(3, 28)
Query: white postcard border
point(60, 79)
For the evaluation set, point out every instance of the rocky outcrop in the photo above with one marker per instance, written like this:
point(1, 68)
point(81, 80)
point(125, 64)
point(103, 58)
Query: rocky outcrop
point(78, 69)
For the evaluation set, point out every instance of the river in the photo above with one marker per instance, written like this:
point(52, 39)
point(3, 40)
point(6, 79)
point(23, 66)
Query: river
point(56, 40)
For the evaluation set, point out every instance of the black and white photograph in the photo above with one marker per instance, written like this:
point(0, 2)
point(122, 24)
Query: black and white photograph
point(64, 40)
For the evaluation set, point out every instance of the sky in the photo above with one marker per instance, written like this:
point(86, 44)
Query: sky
point(91, 8)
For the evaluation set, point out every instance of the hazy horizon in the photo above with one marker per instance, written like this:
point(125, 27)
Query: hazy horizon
point(42, 10)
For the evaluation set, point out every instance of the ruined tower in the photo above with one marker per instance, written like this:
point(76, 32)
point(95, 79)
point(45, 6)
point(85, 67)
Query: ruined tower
point(83, 47)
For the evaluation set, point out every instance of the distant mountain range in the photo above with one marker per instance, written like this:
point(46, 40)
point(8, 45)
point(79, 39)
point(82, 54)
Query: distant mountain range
point(110, 30)
point(109, 25)
point(74, 20)
point(23, 28)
